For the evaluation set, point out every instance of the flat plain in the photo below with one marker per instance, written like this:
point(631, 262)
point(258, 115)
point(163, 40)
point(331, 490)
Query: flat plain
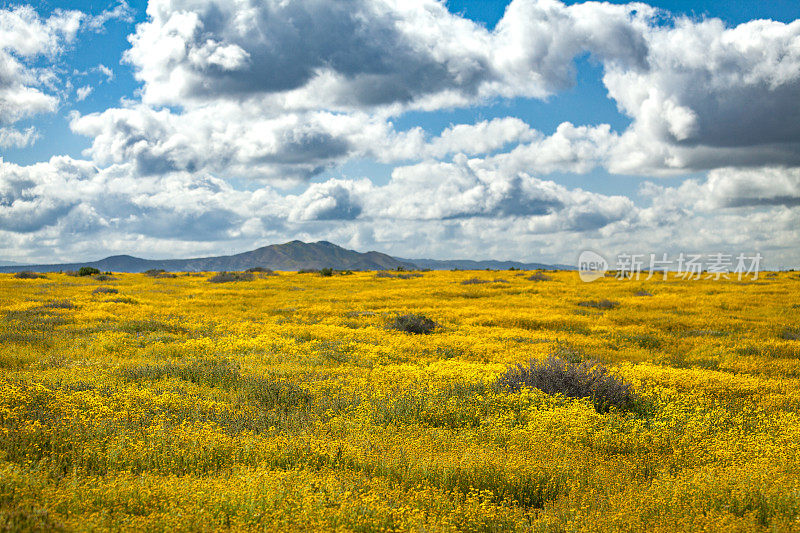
point(289, 402)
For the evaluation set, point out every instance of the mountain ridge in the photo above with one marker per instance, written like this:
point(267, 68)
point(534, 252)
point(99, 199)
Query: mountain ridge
point(292, 255)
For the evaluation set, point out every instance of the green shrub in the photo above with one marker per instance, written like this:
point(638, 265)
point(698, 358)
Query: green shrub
point(474, 281)
point(88, 271)
point(573, 379)
point(327, 272)
point(415, 324)
point(539, 276)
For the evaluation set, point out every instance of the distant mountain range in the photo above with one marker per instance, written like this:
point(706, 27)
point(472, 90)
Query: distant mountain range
point(491, 264)
point(294, 255)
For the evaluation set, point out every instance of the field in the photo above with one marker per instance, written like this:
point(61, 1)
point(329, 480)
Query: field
point(288, 402)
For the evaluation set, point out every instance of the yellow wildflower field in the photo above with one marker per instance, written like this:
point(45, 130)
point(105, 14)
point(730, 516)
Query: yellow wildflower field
point(288, 403)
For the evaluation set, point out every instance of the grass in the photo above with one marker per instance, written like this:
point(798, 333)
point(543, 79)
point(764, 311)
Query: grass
point(294, 403)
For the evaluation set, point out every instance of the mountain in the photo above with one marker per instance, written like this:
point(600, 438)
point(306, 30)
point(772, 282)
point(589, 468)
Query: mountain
point(467, 264)
point(294, 255)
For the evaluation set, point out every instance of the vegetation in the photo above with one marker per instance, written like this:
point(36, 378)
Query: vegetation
point(159, 273)
point(539, 276)
point(415, 324)
point(573, 379)
point(599, 304)
point(87, 271)
point(27, 274)
point(227, 277)
point(286, 403)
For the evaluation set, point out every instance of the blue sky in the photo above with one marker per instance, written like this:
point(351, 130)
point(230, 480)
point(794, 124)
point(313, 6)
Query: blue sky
point(468, 129)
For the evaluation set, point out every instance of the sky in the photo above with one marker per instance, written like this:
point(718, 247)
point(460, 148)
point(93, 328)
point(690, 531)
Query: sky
point(527, 130)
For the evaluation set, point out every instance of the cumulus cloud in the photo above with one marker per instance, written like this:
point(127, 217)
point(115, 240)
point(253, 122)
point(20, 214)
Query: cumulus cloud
point(27, 89)
point(10, 137)
point(307, 78)
point(283, 91)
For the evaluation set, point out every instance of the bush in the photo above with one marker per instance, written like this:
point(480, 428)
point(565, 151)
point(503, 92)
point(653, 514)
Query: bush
point(308, 271)
point(227, 277)
point(474, 281)
point(105, 277)
point(27, 274)
point(384, 275)
point(105, 290)
point(410, 275)
point(327, 272)
point(599, 304)
point(539, 276)
point(642, 293)
point(88, 271)
point(261, 270)
point(59, 304)
point(159, 273)
point(574, 379)
point(790, 333)
point(415, 324)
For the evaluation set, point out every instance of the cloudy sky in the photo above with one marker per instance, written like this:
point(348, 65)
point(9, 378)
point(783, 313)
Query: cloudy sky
point(527, 130)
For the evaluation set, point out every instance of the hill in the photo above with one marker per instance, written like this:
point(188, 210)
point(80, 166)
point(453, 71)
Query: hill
point(294, 255)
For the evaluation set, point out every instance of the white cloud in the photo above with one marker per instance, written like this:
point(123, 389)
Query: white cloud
point(82, 92)
point(26, 89)
point(10, 137)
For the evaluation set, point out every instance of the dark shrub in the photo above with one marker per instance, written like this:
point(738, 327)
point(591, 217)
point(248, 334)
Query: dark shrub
point(27, 274)
point(599, 304)
point(499, 280)
point(262, 270)
point(474, 281)
point(414, 323)
point(308, 271)
point(88, 271)
point(159, 273)
point(790, 334)
point(59, 304)
point(573, 379)
point(105, 290)
point(104, 277)
point(409, 275)
point(384, 275)
point(327, 272)
point(226, 277)
point(123, 301)
point(539, 276)
point(642, 293)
